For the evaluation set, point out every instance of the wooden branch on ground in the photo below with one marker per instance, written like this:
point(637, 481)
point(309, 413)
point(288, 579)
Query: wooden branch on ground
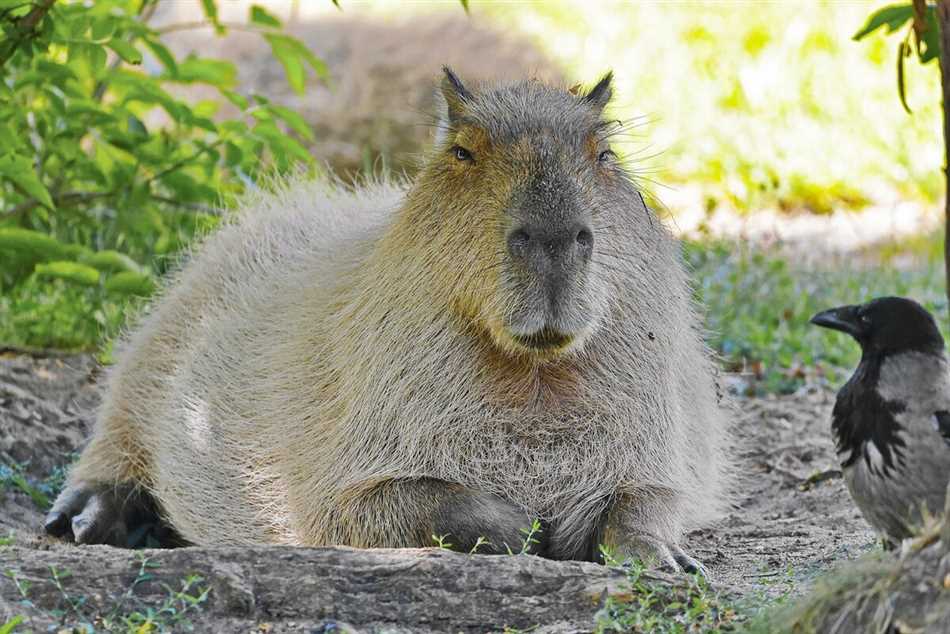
point(419, 590)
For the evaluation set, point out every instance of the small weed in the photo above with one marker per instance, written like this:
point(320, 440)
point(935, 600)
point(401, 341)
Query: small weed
point(442, 541)
point(664, 609)
point(7, 628)
point(7, 541)
point(130, 614)
point(530, 536)
point(13, 476)
point(481, 541)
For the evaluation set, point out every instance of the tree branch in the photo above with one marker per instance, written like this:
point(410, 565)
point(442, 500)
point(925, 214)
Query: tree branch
point(200, 24)
point(198, 207)
point(25, 28)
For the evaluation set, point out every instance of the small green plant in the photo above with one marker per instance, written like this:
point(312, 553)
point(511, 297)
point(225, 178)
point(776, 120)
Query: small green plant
point(13, 476)
point(531, 534)
point(442, 541)
point(658, 607)
point(481, 541)
point(75, 604)
point(129, 614)
point(9, 626)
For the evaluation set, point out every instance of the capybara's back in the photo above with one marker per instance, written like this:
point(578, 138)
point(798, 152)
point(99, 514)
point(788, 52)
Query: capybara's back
point(509, 338)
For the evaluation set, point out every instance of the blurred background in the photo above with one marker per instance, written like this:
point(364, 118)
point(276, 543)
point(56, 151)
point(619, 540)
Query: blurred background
point(772, 142)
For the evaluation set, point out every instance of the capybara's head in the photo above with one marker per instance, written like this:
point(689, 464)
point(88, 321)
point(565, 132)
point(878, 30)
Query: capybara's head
point(526, 203)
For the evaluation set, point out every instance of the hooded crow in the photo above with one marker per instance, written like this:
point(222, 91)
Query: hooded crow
point(891, 421)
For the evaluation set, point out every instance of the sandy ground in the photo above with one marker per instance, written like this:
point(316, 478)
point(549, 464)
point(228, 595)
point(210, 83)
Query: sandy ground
point(792, 519)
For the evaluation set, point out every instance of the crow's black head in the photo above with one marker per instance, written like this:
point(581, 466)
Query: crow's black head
point(886, 325)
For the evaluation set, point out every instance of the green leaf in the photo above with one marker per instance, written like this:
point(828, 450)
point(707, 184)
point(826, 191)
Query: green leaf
point(35, 246)
point(109, 261)
point(282, 145)
point(892, 17)
point(293, 119)
point(8, 627)
point(216, 72)
point(126, 51)
point(20, 171)
point(260, 16)
point(69, 271)
point(7, 138)
point(211, 12)
point(465, 5)
point(292, 54)
point(232, 154)
point(130, 283)
point(92, 55)
point(165, 56)
point(103, 28)
point(237, 99)
point(290, 60)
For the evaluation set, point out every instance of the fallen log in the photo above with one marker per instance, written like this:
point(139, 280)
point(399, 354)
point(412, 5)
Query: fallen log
point(301, 589)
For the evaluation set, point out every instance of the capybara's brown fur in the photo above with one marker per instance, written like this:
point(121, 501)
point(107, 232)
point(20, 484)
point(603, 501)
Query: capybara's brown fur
point(509, 337)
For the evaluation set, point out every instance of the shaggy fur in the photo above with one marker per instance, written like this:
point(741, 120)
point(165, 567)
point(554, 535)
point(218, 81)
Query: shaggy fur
point(326, 367)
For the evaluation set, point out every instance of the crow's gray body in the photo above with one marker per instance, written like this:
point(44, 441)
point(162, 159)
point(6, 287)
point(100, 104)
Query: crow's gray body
point(890, 493)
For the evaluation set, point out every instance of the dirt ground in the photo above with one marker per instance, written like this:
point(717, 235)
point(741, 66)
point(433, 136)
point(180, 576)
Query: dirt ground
point(792, 519)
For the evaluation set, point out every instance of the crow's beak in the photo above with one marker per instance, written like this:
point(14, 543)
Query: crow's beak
point(843, 318)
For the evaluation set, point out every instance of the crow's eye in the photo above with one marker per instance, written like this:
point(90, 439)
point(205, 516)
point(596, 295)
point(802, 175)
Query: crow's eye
point(865, 319)
point(461, 153)
point(605, 156)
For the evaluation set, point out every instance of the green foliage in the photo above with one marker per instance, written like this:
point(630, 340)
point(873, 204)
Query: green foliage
point(38, 313)
point(651, 607)
point(13, 476)
point(10, 626)
point(924, 29)
point(104, 170)
point(129, 614)
point(758, 307)
point(767, 107)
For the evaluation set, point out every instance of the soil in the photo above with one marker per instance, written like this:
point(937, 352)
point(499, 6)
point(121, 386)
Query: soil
point(793, 517)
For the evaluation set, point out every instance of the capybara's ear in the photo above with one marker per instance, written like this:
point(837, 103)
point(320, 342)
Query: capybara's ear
point(599, 95)
point(456, 95)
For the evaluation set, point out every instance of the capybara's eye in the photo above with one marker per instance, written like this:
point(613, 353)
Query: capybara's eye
point(462, 154)
point(605, 156)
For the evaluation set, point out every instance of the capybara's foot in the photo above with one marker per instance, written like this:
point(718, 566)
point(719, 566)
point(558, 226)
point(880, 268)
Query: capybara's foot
point(90, 515)
point(666, 556)
point(118, 515)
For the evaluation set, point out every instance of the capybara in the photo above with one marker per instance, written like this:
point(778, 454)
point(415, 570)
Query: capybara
point(510, 337)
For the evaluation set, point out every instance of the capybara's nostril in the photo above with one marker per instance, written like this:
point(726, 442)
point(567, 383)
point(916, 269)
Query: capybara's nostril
point(518, 242)
point(585, 239)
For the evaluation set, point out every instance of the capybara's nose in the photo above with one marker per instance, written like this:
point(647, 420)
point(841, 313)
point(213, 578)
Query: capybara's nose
point(564, 244)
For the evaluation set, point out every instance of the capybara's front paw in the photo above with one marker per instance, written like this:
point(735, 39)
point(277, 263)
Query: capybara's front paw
point(90, 514)
point(666, 556)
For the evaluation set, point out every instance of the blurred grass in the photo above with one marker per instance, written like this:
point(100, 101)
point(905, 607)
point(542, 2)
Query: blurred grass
point(758, 305)
point(760, 104)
